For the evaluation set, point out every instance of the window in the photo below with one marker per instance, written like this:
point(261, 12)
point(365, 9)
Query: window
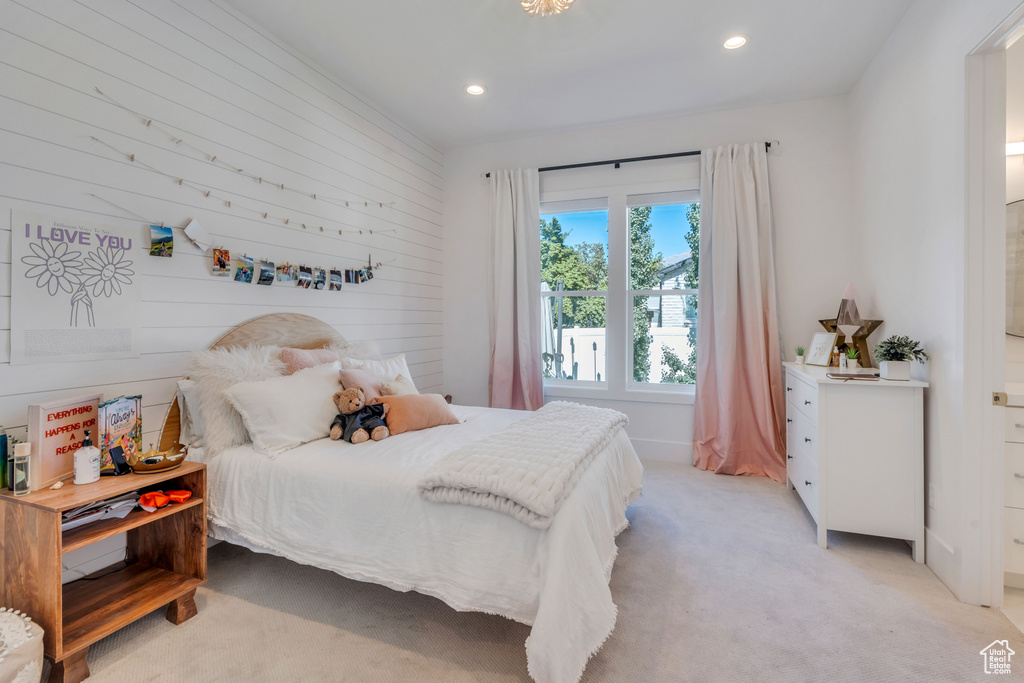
point(619, 290)
point(574, 284)
point(664, 241)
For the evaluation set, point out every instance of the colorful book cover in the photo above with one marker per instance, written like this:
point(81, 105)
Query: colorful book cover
point(120, 425)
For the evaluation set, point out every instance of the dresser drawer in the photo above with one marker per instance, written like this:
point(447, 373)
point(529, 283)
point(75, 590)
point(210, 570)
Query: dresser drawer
point(804, 436)
point(805, 482)
point(803, 396)
point(1014, 425)
point(1013, 546)
point(1013, 477)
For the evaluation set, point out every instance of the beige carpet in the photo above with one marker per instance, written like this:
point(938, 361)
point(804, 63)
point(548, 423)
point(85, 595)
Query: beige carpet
point(719, 579)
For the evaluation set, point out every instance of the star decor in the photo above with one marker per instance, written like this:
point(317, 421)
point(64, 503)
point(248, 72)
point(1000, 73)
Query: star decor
point(545, 8)
point(859, 339)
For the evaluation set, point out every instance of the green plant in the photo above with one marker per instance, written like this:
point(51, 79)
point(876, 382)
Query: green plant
point(899, 348)
point(852, 353)
point(799, 350)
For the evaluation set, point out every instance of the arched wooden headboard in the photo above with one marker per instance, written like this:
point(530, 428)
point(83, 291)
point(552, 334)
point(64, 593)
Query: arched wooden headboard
point(277, 329)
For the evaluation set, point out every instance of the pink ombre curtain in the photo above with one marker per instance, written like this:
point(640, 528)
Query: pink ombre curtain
point(740, 418)
point(516, 375)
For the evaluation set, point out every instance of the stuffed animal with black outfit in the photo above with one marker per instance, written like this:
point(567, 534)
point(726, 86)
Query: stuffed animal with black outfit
point(358, 422)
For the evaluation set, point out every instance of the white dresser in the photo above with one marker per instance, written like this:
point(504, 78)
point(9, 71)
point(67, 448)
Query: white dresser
point(1013, 488)
point(855, 454)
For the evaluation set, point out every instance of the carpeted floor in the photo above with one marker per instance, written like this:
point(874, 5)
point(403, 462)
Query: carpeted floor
point(718, 579)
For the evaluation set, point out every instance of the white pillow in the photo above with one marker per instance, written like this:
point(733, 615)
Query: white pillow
point(364, 350)
point(399, 386)
point(284, 412)
point(384, 370)
point(215, 370)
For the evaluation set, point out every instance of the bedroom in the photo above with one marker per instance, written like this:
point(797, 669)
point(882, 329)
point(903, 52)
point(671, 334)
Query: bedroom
point(869, 155)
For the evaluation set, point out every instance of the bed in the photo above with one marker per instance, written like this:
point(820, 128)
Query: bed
point(356, 510)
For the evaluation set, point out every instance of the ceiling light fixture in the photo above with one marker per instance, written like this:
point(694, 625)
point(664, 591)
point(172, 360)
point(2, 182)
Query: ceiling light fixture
point(1013, 148)
point(475, 89)
point(545, 8)
point(735, 41)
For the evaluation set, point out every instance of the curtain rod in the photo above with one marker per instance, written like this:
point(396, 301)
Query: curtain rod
point(616, 162)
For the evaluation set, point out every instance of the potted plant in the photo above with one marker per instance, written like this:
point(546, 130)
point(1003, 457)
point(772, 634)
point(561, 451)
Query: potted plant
point(852, 359)
point(799, 355)
point(894, 355)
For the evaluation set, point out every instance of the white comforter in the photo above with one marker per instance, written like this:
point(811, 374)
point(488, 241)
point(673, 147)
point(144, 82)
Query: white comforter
point(356, 510)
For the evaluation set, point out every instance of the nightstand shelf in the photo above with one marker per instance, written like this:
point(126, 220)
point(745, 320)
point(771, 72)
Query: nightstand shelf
point(165, 562)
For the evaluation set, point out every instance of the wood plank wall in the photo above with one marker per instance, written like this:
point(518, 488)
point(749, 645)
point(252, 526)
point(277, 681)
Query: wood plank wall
point(224, 84)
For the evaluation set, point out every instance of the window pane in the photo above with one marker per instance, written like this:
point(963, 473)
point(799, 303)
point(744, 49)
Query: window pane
point(665, 339)
point(574, 250)
point(663, 246)
point(575, 348)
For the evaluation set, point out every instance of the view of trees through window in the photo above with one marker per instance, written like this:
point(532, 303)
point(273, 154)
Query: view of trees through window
point(663, 255)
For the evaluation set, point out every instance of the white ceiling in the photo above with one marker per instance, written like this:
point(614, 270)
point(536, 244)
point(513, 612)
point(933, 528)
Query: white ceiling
point(601, 61)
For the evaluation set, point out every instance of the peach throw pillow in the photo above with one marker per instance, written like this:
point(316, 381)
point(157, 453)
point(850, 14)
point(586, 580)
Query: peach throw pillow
point(417, 411)
point(300, 359)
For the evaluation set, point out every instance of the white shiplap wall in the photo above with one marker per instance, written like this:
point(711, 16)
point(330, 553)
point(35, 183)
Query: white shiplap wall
point(222, 83)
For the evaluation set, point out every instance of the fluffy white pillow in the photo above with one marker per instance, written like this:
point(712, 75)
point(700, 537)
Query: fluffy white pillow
point(215, 370)
point(384, 370)
point(284, 412)
point(364, 350)
point(399, 386)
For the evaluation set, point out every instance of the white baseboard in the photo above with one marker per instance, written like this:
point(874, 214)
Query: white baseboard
point(666, 451)
point(942, 560)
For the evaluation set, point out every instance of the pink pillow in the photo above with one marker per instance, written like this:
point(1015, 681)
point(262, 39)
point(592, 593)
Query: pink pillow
point(300, 359)
point(411, 412)
point(364, 380)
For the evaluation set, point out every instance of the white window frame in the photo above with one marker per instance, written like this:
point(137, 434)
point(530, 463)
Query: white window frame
point(618, 382)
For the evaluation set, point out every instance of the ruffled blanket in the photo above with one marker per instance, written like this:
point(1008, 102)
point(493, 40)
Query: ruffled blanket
point(526, 470)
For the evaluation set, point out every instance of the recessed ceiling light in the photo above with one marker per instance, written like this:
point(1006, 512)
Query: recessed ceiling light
point(476, 89)
point(735, 41)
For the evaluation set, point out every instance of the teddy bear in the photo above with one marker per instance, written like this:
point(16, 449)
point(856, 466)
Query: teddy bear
point(358, 422)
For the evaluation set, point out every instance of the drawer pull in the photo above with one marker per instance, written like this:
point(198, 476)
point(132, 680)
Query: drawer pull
point(789, 419)
point(789, 457)
point(1018, 541)
point(807, 439)
point(789, 388)
point(1018, 475)
point(807, 483)
point(807, 403)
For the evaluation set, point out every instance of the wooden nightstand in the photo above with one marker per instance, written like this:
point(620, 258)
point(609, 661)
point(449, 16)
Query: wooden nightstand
point(166, 562)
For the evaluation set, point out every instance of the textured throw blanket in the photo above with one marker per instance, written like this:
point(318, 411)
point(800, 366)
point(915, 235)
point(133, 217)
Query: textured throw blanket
point(528, 469)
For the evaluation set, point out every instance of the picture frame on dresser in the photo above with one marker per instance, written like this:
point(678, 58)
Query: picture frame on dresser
point(820, 349)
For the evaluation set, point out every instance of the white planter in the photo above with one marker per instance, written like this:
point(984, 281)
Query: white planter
point(894, 369)
point(799, 360)
point(852, 364)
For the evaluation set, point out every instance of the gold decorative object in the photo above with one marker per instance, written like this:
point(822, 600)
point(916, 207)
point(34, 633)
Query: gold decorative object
point(153, 461)
point(858, 341)
point(545, 8)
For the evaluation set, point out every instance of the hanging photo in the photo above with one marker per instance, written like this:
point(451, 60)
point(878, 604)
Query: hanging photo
point(362, 275)
point(266, 273)
point(369, 273)
point(319, 278)
point(243, 269)
point(287, 273)
point(221, 263)
point(305, 277)
point(161, 241)
point(335, 280)
point(352, 276)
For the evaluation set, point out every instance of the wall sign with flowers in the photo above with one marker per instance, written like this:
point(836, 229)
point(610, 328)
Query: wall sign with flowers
point(74, 290)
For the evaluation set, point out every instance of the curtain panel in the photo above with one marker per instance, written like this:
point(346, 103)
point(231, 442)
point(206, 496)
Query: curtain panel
point(739, 421)
point(516, 377)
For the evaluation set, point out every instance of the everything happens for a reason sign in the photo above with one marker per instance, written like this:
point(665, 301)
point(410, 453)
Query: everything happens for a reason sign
point(75, 291)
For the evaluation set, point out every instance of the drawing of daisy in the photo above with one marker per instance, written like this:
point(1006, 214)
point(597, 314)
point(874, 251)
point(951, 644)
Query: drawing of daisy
point(53, 266)
point(105, 270)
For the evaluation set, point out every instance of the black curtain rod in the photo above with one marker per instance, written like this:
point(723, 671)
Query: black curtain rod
point(616, 162)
